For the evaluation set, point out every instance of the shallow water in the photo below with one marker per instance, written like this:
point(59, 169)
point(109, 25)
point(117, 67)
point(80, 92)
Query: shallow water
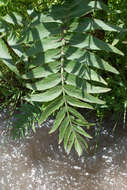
point(38, 163)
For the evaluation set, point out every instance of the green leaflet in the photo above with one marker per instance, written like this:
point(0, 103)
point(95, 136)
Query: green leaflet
point(98, 5)
point(40, 31)
point(78, 147)
point(42, 58)
point(44, 18)
point(71, 142)
point(11, 66)
point(43, 45)
point(76, 121)
point(90, 24)
point(4, 54)
point(82, 7)
point(59, 13)
point(67, 136)
point(95, 61)
point(62, 129)
point(47, 96)
point(88, 58)
point(80, 123)
point(82, 141)
point(82, 95)
point(13, 18)
point(46, 83)
point(76, 9)
point(59, 118)
point(77, 103)
point(52, 107)
point(83, 85)
point(82, 132)
point(91, 42)
point(42, 71)
point(75, 113)
point(13, 43)
point(82, 71)
point(6, 58)
point(73, 53)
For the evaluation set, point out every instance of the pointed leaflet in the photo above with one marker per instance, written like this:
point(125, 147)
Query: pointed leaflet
point(51, 42)
point(62, 129)
point(82, 71)
point(4, 53)
point(6, 58)
point(59, 118)
point(77, 103)
point(47, 96)
point(82, 141)
point(73, 53)
point(75, 113)
point(84, 85)
point(70, 143)
point(44, 18)
point(95, 61)
point(82, 7)
point(79, 130)
point(94, 4)
point(46, 83)
point(89, 24)
point(15, 45)
point(88, 58)
point(81, 123)
point(42, 71)
point(53, 106)
point(9, 63)
point(13, 18)
point(78, 147)
point(82, 95)
point(67, 135)
point(76, 9)
point(98, 5)
point(42, 58)
point(91, 42)
point(39, 31)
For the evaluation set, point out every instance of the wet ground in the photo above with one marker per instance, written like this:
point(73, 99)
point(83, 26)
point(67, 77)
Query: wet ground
point(38, 163)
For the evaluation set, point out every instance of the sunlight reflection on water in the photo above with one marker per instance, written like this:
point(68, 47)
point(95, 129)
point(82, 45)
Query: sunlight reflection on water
point(38, 163)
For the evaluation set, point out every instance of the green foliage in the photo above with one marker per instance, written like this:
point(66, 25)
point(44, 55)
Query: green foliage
point(25, 120)
point(116, 99)
point(22, 6)
point(61, 66)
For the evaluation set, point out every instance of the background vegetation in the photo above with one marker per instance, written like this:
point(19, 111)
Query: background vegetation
point(116, 100)
point(15, 17)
